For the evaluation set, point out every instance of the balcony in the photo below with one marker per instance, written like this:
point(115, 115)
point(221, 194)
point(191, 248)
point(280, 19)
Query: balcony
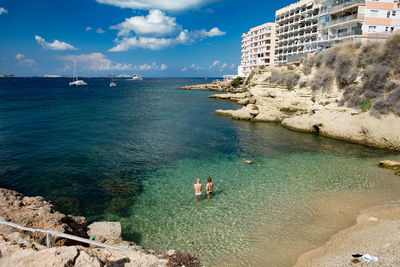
point(338, 5)
point(343, 35)
point(346, 18)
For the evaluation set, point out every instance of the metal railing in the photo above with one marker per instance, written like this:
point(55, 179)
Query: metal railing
point(67, 236)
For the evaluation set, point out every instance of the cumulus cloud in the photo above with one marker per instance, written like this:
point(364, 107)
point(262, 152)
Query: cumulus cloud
point(156, 31)
point(223, 67)
point(100, 30)
point(24, 61)
point(89, 29)
point(3, 11)
point(174, 5)
point(163, 67)
point(56, 45)
point(99, 62)
point(155, 23)
point(233, 66)
point(214, 64)
point(192, 67)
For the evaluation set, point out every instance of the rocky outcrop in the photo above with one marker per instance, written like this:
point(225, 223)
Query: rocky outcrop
point(216, 86)
point(28, 249)
point(36, 212)
point(390, 164)
point(300, 109)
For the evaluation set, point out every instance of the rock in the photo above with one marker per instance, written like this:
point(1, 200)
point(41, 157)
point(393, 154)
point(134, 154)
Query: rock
point(109, 232)
point(389, 164)
point(372, 219)
point(244, 101)
point(397, 173)
point(222, 112)
point(242, 114)
point(35, 212)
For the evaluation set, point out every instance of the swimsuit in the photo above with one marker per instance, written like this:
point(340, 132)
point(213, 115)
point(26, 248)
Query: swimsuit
point(198, 195)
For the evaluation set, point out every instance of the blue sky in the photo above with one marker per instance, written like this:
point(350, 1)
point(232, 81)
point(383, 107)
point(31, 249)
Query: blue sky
point(176, 38)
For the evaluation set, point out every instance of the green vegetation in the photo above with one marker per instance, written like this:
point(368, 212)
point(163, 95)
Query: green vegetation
point(366, 105)
point(237, 81)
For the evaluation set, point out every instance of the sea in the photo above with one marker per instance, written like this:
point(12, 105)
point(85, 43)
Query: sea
point(132, 153)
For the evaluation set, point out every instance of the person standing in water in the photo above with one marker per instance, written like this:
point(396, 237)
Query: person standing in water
point(209, 187)
point(197, 189)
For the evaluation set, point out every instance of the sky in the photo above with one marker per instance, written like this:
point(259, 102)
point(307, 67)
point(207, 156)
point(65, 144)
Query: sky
point(154, 38)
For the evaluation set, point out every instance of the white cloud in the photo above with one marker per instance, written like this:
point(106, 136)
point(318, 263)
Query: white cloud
point(193, 67)
point(3, 11)
point(56, 45)
point(100, 30)
point(212, 33)
point(25, 61)
point(89, 29)
point(233, 66)
point(214, 64)
point(223, 67)
point(163, 67)
point(99, 62)
point(156, 31)
point(155, 4)
point(155, 23)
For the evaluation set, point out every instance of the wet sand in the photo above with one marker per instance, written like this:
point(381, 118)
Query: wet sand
point(376, 233)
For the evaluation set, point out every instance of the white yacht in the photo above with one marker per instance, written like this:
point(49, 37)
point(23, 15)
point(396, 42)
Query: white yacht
point(75, 81)
point(112, 83)
point(136, 77)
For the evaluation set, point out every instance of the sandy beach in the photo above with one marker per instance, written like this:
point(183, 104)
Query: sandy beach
point(375, 233)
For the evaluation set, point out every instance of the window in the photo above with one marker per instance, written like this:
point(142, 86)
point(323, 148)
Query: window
point(372, 28)
point(374, 13)
point(388, 14)
point(394, 13)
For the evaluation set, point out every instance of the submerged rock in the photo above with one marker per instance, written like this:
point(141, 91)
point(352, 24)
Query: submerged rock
point(389, 164)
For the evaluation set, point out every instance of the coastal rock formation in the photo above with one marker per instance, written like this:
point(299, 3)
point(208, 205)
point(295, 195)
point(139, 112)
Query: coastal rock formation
point(215, 86)
point(19, 248)
point(35, 212)
point(390, 164)
point(333, 94)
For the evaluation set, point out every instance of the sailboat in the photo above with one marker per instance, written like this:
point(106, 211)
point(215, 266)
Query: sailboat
point(112, 83)
point(75, 81)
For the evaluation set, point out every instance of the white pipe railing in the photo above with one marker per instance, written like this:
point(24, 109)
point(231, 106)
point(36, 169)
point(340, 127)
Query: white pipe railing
point(67, 236)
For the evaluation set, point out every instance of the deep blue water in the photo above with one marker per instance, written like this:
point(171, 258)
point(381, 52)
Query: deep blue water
point(83, 147)
point(131, 154)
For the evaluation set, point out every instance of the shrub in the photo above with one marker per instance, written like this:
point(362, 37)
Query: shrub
point(370, 54)
point(376, 80)
point(346, 73)
point(380, 107)
point(321, 80)
point(391, 54)
point(307, 66)
point(329, 56)
point(366, 105)
point(262, 67)
point(394, 100)
point(237, 81)
point(355, 100)
point(286, 78)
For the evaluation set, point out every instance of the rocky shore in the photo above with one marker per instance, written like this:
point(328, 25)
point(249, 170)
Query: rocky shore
point(302, 110)
point(23, 248)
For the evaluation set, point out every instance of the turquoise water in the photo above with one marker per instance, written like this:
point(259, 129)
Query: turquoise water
point(133, 153)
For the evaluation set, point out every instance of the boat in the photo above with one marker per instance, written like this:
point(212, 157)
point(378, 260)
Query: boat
point(75, 81)
point(112, 83)
point(136, 77)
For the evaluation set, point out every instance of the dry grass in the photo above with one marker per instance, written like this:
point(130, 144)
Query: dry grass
point(322, 80)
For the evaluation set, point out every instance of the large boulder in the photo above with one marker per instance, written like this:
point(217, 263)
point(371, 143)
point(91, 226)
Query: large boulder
point(390, 164)
point(109, 232)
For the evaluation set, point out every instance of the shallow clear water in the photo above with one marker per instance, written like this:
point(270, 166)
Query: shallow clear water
point(132, 153)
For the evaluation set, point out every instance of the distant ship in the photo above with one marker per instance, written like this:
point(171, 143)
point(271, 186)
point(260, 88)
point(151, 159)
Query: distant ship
point(75, 81)
point(112, 83)
point(136, 77)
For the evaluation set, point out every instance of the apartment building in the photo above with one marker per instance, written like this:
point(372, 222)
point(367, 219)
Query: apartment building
point(258, 48)
point(296, 31)
point(311, 26)
point(357, 21)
